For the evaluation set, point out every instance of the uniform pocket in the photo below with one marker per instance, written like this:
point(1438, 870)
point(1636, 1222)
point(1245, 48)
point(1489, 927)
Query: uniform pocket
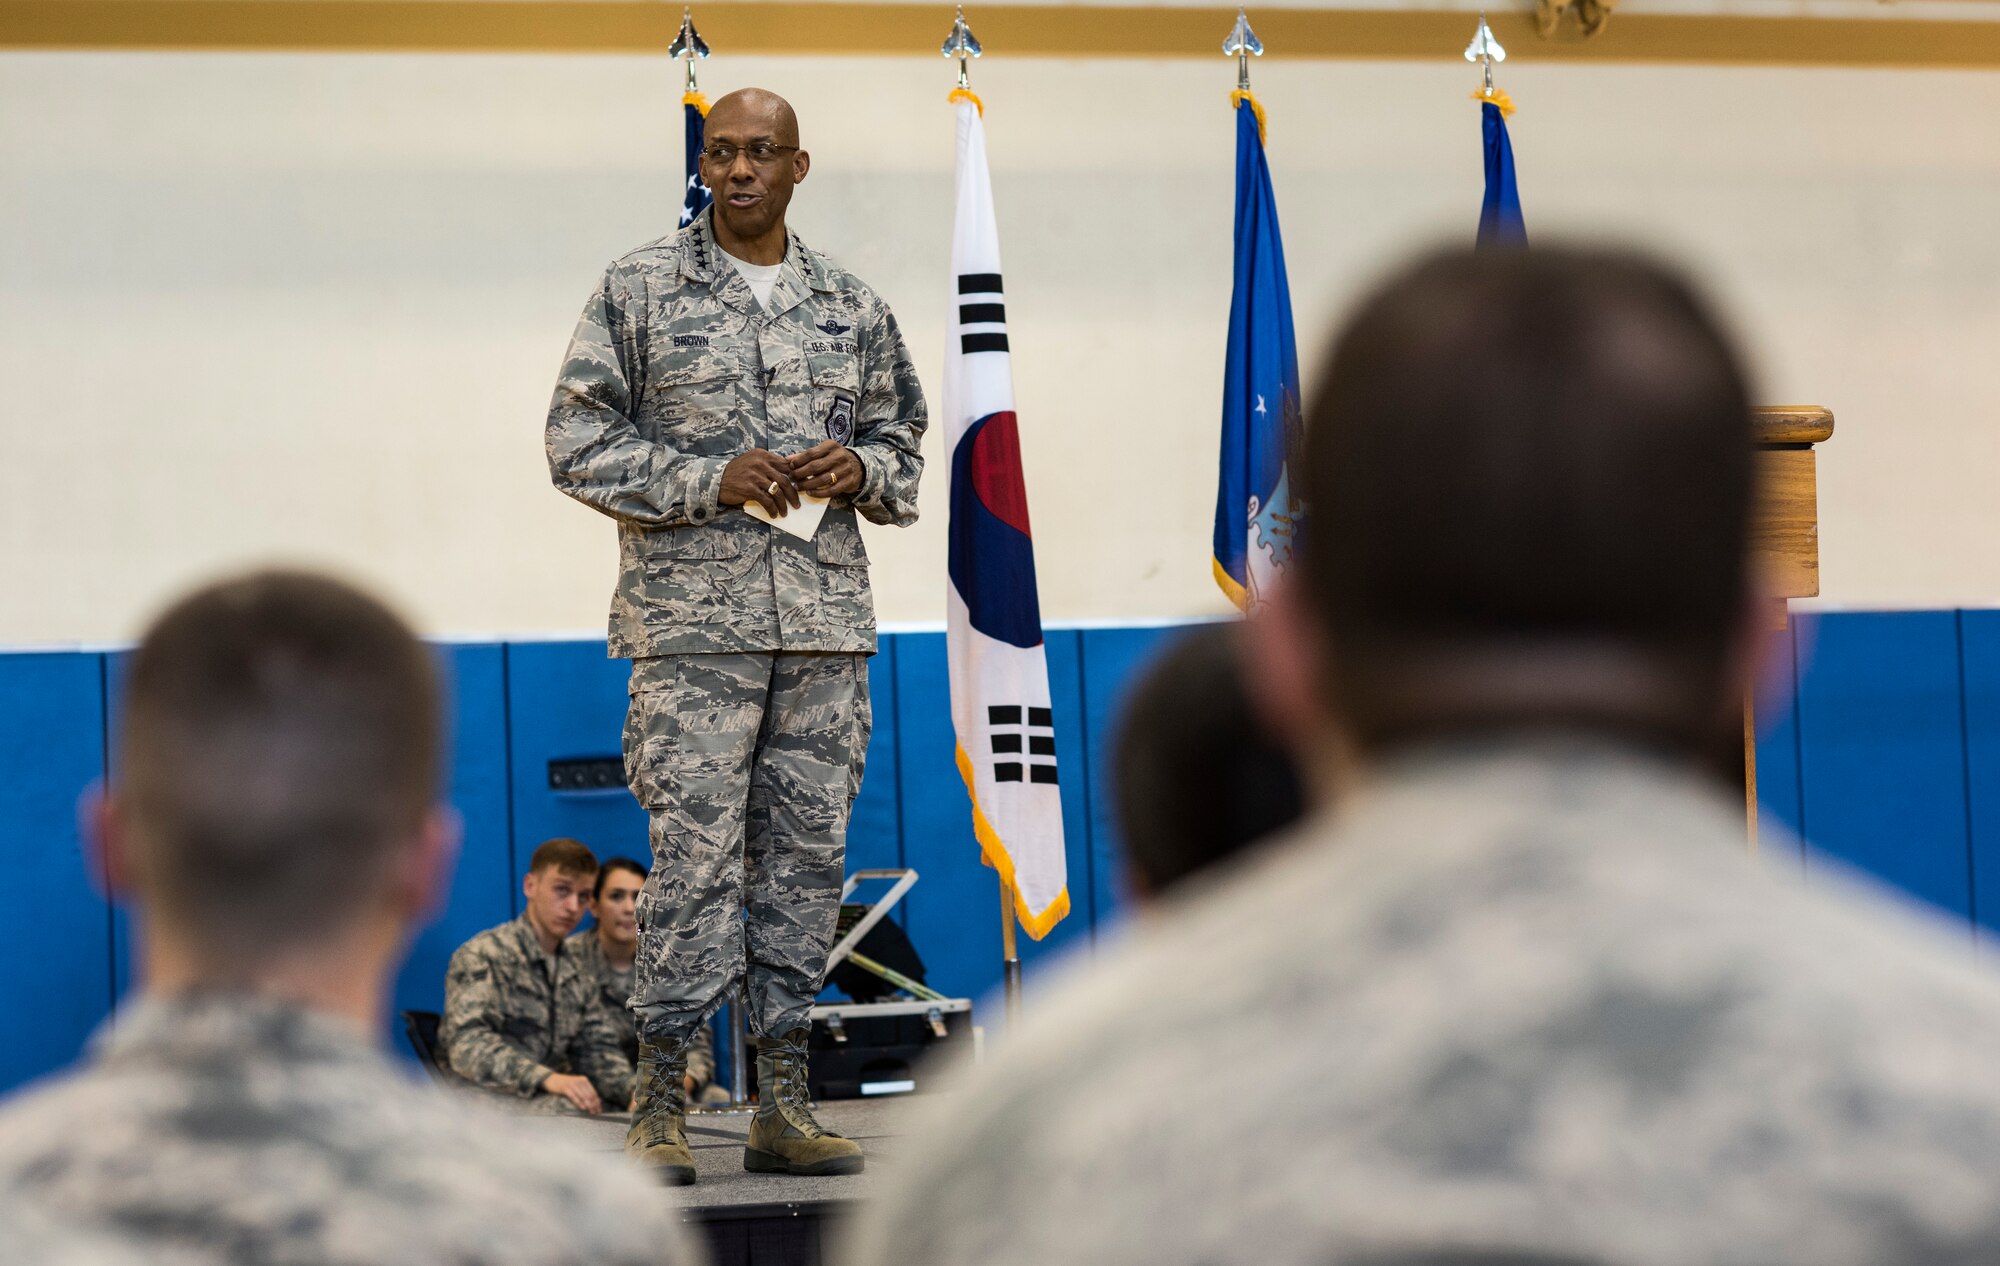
point(652, 731)
point(840, 372)
point(694, 401)
point(838, 541)
point(846, 585)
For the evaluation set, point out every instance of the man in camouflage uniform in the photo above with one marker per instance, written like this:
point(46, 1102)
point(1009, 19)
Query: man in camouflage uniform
point(1519, 994)
point(724, 366)
point(607, 950)
point(274, 820)
point(524, 1016)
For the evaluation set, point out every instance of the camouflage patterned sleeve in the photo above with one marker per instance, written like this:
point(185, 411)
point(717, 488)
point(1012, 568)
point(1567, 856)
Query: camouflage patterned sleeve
point(891, 426)
point(475, 1010)
point(599, 1053)
point(595, 452)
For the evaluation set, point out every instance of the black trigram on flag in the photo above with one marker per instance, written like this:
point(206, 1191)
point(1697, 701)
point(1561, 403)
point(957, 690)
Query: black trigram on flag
point(982, 316)
point(1024, 744)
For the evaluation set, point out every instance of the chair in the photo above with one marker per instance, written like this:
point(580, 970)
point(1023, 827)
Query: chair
point(421, 1027)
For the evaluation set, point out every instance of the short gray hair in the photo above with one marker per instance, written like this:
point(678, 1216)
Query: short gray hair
point(281, 738)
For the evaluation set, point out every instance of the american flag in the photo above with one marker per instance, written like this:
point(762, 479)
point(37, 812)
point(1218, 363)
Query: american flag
point(696, 108)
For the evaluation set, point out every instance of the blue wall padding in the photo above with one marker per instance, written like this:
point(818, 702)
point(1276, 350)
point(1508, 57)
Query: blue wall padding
point(1890, 760)
point(482, 889)
point(960, 945)
point(1980, 645)
point(875, 827)
point(1078, 770)
point(55, 944)
point(567, 701)
point(1778, 751)
point(116, 663)
point(1112, 660)
point(1882, 749)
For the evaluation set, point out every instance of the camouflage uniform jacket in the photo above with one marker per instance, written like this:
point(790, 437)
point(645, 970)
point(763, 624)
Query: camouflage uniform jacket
point(616, 987)
point(218, 1128)
point(1526, 1001)
point(674, 370)
point(513, 1015)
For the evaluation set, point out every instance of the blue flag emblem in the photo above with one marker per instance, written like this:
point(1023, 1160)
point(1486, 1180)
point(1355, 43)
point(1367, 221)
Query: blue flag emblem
point(1256, 515)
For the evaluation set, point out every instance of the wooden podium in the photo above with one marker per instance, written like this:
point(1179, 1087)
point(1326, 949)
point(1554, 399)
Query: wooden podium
point(1784, 536)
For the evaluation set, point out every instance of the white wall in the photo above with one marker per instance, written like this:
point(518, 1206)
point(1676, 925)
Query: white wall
point(259, 306)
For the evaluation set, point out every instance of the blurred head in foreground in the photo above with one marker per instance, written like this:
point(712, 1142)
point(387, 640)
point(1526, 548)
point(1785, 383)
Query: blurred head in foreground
point(1521, 995)
point(1198, 775)
point(1529, 484)
point(275, 804)
point(273, 817)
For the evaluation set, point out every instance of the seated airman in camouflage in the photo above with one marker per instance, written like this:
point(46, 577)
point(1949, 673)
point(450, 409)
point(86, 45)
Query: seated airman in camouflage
point(274, 820)
point(524, 1015)
point(608, 948)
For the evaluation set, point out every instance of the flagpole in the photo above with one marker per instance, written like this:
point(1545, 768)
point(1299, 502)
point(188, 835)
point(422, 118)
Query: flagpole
point(1009, 958)
point(962, 45)
point(689, 47)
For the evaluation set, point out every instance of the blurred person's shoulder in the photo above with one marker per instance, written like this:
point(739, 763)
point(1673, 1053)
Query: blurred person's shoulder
point(258, 1126)
point(28, 1235)
point(1525, 973)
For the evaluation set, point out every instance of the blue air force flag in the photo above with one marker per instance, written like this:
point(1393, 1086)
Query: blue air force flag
point(694, 107)
point(1256, 512)
point(1500, 222)
point(999, 673)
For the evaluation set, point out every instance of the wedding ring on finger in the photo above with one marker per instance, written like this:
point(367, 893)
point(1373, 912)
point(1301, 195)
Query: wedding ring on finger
point(773, 489)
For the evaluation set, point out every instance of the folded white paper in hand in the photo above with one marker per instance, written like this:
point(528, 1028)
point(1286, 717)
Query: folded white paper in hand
point(802, 522)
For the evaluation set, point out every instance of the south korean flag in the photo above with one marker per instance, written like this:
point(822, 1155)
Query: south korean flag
point(999, 671)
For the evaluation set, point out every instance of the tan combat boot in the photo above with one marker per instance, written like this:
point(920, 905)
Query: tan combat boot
point(658, 1137)
point(784, 1137)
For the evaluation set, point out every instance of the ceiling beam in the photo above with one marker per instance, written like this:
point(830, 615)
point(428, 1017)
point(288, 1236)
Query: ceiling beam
point(1022, 30)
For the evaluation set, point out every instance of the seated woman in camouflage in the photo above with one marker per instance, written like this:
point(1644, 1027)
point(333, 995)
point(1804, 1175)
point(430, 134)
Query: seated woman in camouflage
point(610, 946)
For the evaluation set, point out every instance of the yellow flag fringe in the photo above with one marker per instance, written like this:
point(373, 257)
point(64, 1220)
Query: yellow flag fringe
point(1256, 106)
point(994, 854)
point(1497, 97)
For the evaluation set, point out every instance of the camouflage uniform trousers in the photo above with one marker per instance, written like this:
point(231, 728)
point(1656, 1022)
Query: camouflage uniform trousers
point(747, 765)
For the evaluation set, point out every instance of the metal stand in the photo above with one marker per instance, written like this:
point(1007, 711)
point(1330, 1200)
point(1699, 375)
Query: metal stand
point(933, 1008)
point(905, 878)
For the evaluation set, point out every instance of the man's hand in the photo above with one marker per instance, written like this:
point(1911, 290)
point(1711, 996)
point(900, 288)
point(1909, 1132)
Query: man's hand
point(577, 1090)
point(689, 1084)
point(762, 476)
point(828, 469)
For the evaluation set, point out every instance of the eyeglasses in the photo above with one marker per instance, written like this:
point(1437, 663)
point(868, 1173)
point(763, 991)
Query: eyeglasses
point(762, 153)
